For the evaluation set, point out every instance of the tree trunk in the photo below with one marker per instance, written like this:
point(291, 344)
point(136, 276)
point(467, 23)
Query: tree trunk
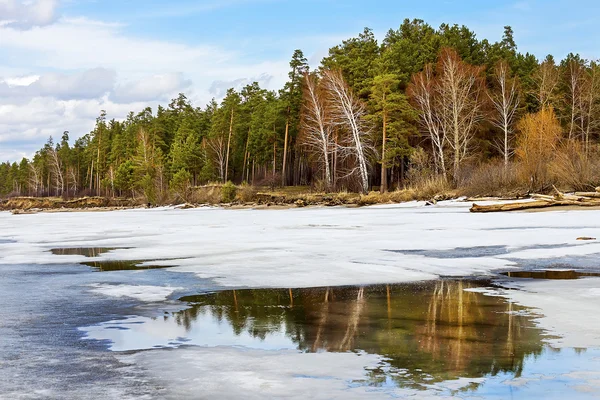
point(285, 149)
point(384, 187)
point(245, 154)
point(228, 147)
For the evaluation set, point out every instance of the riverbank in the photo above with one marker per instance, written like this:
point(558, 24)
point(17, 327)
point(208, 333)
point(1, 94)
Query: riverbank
point(248, 197)
point(242, 197)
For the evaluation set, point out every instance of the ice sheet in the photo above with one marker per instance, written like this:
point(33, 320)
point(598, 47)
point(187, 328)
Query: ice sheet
point(568, 308)
point(304, 247)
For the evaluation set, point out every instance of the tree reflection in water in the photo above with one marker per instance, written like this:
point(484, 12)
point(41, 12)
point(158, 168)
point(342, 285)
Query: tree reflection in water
point(427, 332)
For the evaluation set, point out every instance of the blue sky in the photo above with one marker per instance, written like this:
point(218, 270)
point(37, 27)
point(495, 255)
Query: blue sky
point(272, 27)
point(65, 60)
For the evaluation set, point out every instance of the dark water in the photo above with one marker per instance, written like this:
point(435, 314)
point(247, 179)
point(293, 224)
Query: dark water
point(105, 266)
point(84, 251)
point(550, 274)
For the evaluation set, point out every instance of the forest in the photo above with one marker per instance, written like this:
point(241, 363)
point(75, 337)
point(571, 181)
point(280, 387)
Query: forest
point(426, 109)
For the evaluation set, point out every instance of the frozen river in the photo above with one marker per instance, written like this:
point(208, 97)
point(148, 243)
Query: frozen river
point(377, 302)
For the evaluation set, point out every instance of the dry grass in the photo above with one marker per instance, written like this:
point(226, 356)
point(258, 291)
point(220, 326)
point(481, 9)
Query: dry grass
point(50, 203)
point(246, 193)
point(431, 187)
point(572, 170)
point(493, 179)
point(209, 194)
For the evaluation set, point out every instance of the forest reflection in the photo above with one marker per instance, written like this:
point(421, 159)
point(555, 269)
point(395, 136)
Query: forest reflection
point(83, 251)
point(427, 332)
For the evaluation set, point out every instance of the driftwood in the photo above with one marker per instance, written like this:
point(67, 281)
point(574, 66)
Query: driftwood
point(595, 195)
point(509, 206)
point(579, 199)
point(543, 197)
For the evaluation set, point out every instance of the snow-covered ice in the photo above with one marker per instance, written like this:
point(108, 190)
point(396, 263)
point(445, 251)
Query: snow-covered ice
point(305, 247)
point(568, 309)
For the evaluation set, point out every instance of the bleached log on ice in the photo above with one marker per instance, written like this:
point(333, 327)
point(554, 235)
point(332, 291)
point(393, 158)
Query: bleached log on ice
point(532, 205)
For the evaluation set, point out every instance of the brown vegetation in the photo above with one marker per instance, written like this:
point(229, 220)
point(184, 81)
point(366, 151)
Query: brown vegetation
point(54, 203)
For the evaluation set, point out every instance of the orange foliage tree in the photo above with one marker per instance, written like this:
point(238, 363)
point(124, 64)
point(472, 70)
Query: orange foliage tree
point(539, 137)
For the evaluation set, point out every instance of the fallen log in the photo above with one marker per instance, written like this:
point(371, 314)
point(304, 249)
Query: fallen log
point(543, 197)
point(574, 197)
point(593, 195)
point(476, 208)
point(566, 196)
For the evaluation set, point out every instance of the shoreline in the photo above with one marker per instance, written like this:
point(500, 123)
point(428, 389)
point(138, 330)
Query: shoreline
point(33, 205)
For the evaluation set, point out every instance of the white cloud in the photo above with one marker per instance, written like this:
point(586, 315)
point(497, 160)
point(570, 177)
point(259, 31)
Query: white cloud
point(20, 14)
point(68, 71)
point(219, 88)
point(155, 87)
point(87, 84)
point(81, 43)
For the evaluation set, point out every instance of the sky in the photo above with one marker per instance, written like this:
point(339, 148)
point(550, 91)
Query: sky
point(63, 61)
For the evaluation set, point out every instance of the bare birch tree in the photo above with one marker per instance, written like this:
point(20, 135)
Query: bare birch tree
point(590, 103)
point(460, 99)
point(546, 80)
point(574, 72)
point(316, 129)
point(450, 102)
point(55, 167)
point(348, 112)
point(505, 100)
point(73, 179)
point(219, 154)
point(35, 180)
point(422, 92)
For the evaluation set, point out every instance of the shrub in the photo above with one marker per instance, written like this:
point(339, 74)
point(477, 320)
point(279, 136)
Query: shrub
point(228, 192)
point(210, 194)
point(180, 184)
point(271, 181)
point(492, 179)
point(247, 193)
point(572, 169)
point(149, 189)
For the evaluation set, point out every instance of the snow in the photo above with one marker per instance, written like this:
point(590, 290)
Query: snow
point(304, 247)
point(138, 292)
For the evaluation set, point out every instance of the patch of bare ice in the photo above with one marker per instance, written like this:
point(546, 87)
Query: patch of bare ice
point(138, 292)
